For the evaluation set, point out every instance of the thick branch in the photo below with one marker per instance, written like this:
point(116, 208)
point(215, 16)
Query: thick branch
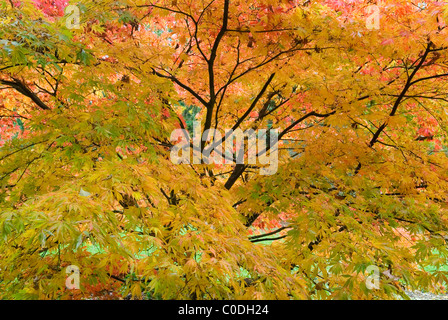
point(184, 86)
point(211, 72)
point(408, 84)
point(267, 234)
point(23, 89)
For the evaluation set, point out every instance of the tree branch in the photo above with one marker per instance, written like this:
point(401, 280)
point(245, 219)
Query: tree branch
point(23, 89)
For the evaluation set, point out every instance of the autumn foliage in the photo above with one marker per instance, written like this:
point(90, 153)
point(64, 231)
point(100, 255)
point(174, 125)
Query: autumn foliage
point(86, 178)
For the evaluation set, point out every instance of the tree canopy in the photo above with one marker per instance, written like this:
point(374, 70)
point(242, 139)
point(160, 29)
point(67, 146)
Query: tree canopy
point(87, 179)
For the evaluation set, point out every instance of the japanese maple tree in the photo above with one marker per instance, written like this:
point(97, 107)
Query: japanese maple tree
point(87, 179)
